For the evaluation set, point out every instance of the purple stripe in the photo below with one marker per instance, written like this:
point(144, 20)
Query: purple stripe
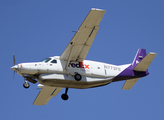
point(141, 53)
point(129, 73)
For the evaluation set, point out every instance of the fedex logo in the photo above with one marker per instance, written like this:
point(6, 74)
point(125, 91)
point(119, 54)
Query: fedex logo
point(79, 65)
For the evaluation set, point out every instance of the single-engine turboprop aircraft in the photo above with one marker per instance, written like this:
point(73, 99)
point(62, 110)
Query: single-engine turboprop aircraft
point(71, 70)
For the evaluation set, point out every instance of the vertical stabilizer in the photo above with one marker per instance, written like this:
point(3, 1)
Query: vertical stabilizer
point(141, 53)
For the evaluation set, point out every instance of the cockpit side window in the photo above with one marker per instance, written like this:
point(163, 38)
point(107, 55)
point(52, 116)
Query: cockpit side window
point(46, 60)
point(54, 61)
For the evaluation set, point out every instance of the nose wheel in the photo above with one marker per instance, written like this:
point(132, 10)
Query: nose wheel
point(26, 84)
point(65, 96)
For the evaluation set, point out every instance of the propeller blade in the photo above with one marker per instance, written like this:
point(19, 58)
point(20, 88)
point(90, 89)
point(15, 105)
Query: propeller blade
point(13, 75)
point(14, 59)
point(14, 64)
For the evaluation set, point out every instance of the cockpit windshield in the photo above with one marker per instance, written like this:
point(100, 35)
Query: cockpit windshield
point(46, 60)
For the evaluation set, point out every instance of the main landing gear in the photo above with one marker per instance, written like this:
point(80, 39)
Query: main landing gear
point(77, 77)
point(65, 96)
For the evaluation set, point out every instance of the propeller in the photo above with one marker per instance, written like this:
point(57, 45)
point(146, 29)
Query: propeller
point(14, 65)
point(14, 59)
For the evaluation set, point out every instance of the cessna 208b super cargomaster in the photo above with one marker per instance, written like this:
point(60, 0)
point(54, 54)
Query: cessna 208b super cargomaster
point(71, 70)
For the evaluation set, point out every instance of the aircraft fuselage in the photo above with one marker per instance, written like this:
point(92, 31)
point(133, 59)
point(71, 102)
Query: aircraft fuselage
point(53, 74)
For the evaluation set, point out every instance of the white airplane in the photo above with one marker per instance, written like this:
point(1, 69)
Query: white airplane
point(71, 70)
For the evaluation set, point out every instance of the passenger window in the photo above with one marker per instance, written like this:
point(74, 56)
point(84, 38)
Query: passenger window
point(54, 61)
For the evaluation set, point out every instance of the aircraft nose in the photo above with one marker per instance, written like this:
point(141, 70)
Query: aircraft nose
point(15, 67)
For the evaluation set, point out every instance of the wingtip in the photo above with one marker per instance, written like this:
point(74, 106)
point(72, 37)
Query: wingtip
point(153, 53)
point(97, 9)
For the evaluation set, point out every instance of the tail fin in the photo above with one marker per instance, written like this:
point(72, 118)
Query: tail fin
point(141, 53)
point(142, 61)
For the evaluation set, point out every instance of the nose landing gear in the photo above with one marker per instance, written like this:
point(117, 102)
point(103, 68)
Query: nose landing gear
point(26, 84)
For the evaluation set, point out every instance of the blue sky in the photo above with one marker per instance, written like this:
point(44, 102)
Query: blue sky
point(34, 30)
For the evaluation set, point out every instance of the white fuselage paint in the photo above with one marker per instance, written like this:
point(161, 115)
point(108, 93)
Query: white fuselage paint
point(53, 74)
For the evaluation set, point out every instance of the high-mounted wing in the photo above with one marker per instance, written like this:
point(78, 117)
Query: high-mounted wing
point(46, 94)
point(77, 49)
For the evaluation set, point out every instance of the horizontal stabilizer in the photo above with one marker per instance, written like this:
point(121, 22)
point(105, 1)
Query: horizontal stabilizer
point(145, 62)
point(129, 83)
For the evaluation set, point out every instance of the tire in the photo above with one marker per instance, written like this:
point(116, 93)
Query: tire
point(64, 96)
point(26, 85)
point(77, 77)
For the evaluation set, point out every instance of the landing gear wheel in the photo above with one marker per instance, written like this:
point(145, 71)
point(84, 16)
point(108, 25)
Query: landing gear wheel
point(77, 77)
point(26, 85)
point(64, 96)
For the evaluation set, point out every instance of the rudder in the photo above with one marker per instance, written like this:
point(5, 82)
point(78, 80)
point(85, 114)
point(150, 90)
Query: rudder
point(141, 53)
